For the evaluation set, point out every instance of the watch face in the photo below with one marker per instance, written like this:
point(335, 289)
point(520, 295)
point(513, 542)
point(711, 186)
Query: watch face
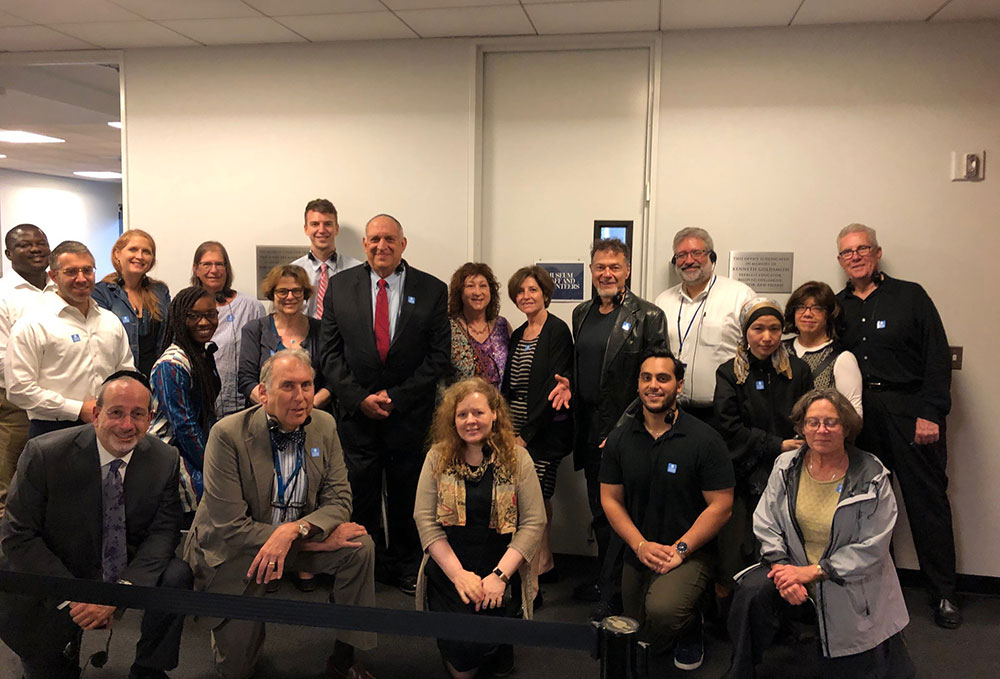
point(682, 547)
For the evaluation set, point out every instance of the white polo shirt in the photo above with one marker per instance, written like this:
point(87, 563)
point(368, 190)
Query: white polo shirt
point(17, 297)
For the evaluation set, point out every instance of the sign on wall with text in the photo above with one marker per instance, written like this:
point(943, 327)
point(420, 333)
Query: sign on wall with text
point(762, 271)
point(568, 279)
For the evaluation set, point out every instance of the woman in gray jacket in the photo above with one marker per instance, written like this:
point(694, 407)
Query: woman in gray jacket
point(825, 523)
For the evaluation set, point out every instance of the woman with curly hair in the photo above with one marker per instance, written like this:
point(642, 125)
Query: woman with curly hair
point(479, 334)
point(480, 516)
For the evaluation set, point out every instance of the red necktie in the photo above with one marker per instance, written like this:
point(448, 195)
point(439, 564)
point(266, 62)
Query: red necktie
point(382, 320)
point(324, 278)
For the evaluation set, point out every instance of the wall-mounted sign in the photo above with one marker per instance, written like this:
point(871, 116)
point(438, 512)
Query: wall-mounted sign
point(270, 256)
point(568, 278)
point(762, 271)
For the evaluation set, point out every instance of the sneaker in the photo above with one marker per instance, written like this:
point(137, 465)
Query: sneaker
point(690, 651)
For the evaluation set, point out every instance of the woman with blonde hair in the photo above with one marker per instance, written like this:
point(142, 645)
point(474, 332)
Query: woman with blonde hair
point(480, 516)
point(139, 302)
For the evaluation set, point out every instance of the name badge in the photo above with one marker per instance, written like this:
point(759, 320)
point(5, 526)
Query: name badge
point(314, 452)
point(124, 319)
point(840, 487)
point(671, 468)
point(230, 318)
point(760, 385)
point(75, 338)
point(411, 300)
point(626, 325)
point(272, 352)
point(879, 325)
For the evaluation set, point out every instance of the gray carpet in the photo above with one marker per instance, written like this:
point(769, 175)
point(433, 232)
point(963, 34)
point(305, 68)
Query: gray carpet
point(972, 651)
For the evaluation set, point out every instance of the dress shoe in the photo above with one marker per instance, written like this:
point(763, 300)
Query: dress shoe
point(137, 672)
point(355, 671)
point(947, 614)
point(587, 591)
point(305, 584)
point(407, 584)
point(273, 586)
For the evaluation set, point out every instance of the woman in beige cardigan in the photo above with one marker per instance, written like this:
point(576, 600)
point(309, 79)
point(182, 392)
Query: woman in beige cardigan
point(480, 515)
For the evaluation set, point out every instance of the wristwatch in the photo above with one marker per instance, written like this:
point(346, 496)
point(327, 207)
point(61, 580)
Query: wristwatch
point(682, 548)
point(500, 574)
point(303, 529)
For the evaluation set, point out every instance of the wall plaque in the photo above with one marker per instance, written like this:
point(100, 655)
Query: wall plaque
point(762, 271)
point(568, 279)
point(270, 256)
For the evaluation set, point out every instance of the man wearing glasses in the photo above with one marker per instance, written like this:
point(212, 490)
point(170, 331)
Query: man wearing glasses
point(277, 500)
point(703, 313)
point(59, 354)
point(894, 330)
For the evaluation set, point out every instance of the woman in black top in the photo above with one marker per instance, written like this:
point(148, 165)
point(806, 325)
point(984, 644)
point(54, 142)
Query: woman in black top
point(754, 395)
point(539, 349)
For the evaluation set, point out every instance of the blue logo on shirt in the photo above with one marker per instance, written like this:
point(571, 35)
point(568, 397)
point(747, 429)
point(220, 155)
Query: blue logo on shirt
point(626, 325)
point(75, 338)
point(671, 468)
point(314, 452)
point(411, 300)
point(879, 325)
point(760, 385)
point(230, 318)
point(124, 319)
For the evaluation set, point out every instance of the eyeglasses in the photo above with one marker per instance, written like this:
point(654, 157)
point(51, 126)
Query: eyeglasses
point(211, 265)
point(76, 271)
point(695, 254)
point(815, 308)
point(196, 316)
point(860, 251)
point(119, 414)
point(613, 268)
point(288, 292)
point(813, 423)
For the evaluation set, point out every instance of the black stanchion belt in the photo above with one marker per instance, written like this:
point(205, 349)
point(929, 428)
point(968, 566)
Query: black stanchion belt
point(457, 626)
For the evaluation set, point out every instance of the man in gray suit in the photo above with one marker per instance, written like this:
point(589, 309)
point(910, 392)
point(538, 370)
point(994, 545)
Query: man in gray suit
point(66, 481)
point(276, 499)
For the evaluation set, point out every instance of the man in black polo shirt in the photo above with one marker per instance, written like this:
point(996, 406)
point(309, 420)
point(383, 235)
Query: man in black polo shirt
point(897, 336)
point(667, 489)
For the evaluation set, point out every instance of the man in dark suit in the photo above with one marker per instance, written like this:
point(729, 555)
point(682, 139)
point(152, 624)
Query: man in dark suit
point(386, 343)
point(96, 502)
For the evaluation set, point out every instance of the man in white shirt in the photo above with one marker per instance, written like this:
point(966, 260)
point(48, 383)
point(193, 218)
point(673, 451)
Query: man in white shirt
point(322, 261)
point(21, 289)
point(59, 354)
point(703, 314)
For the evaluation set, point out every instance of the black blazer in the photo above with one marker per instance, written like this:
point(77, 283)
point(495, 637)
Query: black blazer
point(548, 434)
point(260, 341)
point(53, 523)
point(419, 356)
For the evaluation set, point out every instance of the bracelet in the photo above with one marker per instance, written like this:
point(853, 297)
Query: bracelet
point(639, 546)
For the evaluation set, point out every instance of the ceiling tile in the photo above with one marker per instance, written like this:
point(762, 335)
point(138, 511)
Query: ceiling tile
point(37, 38)
point(125, 34)
point(11, 20)
point(595, 17)
point(958, 10)
point(274, 8)
point(66, 11)
point(441, 4)
point(233, 31)
point(360, 26)
point(457, 21)
point(188, 9)
point(683, 14)
point(864, 11)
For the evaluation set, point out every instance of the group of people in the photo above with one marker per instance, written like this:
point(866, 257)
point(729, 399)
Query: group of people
point(379, 424)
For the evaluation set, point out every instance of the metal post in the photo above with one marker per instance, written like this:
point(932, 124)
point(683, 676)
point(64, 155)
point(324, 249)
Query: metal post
point(623, 656)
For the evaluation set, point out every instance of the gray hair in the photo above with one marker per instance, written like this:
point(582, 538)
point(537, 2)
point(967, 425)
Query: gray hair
point(693, 232)
point(858, 228)
point(298, 353)
point(68, 247)
point(849, 418)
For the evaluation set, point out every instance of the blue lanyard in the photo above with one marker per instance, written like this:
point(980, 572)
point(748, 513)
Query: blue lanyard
point(285, 484)
point(682, 338)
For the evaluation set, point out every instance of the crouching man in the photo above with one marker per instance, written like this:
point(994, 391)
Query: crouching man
point(277, 499)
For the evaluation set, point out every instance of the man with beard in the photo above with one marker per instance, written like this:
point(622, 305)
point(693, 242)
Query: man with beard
point(667, 489)
point(703, 312)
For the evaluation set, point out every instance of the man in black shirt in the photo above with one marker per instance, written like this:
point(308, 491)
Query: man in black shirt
point(610, 334)
point(667, 489)
point(897, 336)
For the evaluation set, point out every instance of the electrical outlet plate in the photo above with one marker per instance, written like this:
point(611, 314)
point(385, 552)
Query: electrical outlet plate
point(967, 166)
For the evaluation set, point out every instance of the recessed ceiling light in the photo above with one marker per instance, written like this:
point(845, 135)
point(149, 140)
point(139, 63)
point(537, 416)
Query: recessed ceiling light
point(22, 137)
point(100, 175)
point(115, 123)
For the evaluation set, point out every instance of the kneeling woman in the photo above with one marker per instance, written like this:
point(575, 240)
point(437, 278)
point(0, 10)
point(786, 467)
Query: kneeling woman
point(480, 515)
point(825, 523)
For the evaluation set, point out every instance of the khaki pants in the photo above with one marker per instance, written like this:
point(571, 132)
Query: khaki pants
point(237, 643)
point(13, 437)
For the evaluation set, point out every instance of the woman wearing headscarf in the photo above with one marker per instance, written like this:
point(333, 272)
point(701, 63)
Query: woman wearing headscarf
point(754, 394)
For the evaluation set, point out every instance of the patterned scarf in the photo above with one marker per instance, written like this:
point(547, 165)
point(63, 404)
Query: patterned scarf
point(751, 311)
point(451, 494)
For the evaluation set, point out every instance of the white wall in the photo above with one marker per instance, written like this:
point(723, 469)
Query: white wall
point(771, 139)
point(63, 208)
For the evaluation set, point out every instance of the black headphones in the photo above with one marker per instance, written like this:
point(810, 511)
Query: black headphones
point(711, 256)
point(877, 279)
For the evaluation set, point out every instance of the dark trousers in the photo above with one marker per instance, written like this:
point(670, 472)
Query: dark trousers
point(923, 482)
point(609, 546)
point(48, 641)
point(756, 616)
point(39, 427)
point(368, 457)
